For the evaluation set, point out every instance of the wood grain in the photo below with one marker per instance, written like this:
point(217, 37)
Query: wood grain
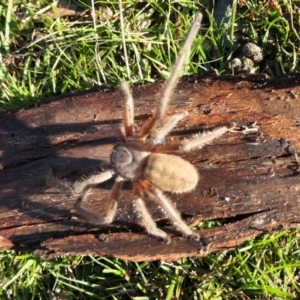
point(249, 182)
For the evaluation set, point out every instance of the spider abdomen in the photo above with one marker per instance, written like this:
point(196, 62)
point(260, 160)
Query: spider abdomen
point(170, 173)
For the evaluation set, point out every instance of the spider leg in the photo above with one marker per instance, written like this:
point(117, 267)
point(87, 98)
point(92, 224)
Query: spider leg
point(148, 222)
point(129, 109)
point(158, 136)
point(198, 142)
point(83, 187)
point(144, 215)
point(172, 81)
point(76, 186)
point(174, 216)
point(110, 208)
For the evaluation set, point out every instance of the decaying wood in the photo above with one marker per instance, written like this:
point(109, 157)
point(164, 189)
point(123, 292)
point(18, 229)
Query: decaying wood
point(251, 182)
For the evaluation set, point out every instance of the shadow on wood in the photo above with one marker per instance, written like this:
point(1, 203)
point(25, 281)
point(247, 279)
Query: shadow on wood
point(250, 182)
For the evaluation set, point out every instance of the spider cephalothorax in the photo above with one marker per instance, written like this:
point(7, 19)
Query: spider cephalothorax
point(141, 158)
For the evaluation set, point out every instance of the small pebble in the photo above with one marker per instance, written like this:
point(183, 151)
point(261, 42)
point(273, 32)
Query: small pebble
point(253, 52)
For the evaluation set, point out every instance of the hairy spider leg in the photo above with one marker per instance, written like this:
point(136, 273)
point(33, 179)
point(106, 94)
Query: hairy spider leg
point(172, 81)
point(110, 208)
point(83, 187)
point(167, 208)
point(78, 186)
point(172, 214)
point(128, 109)
point(188, 145)
point(158, 135)
point(144, 216)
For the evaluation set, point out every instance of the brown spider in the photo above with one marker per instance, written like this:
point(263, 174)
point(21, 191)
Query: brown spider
point(140, 157)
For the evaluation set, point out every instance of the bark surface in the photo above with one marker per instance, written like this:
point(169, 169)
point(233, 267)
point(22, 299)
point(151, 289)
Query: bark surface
point(249, 182)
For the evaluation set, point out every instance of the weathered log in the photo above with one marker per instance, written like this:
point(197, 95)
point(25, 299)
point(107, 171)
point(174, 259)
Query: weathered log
point(249, 182)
